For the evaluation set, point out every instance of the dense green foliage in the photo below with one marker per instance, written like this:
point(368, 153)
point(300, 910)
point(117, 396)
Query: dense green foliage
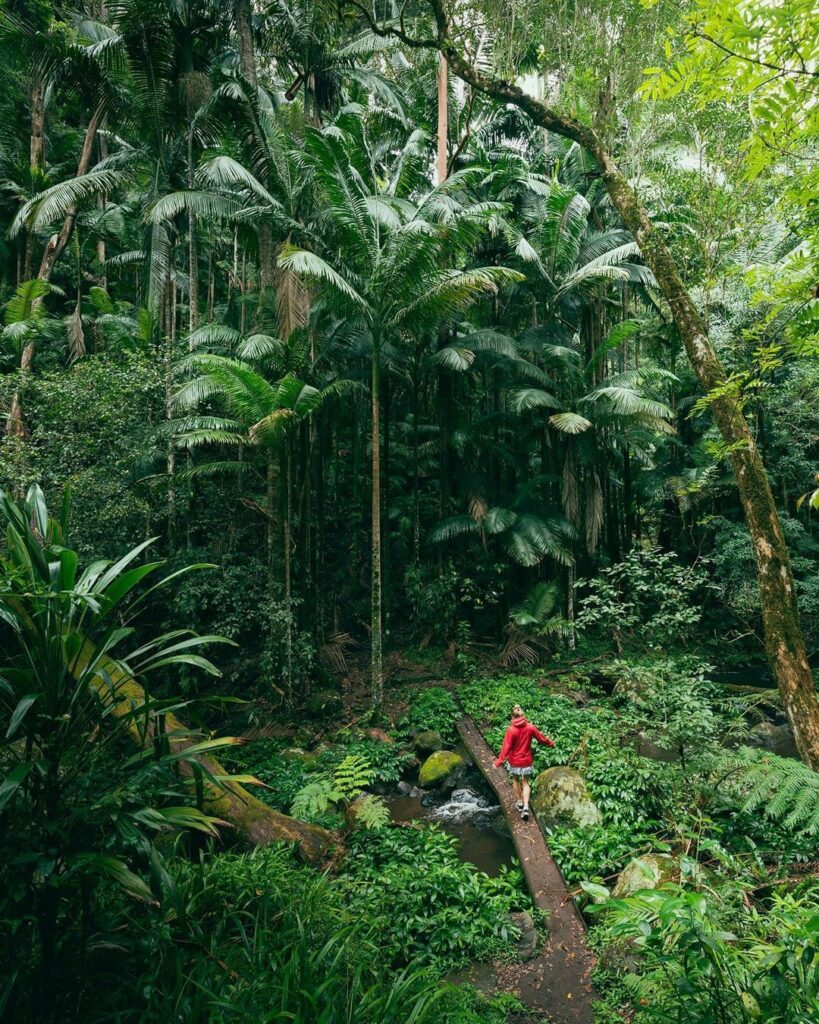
point(437, 441)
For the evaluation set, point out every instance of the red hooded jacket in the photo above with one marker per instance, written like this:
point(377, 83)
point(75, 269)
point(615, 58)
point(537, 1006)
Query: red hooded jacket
point(517, 744)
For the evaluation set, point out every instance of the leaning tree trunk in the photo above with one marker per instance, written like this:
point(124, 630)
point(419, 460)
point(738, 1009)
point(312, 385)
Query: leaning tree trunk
point(253, 820)
point(784, 642)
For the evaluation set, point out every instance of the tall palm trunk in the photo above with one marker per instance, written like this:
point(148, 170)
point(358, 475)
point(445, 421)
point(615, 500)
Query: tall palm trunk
point(170, 458)
point(784, 641)
point(376, 643)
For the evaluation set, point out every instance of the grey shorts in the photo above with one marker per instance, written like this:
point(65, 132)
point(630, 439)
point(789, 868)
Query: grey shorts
point(519, 773)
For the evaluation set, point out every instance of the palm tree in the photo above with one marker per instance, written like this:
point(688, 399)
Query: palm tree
point(384, 268)
point(259, 414)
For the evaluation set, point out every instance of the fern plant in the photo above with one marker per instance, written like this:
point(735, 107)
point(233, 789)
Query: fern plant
point(314, 799)
point(352, 776)
point(372, 812)
point(339, 789)
point(784, 789)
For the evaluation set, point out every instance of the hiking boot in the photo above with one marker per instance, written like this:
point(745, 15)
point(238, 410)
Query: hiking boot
point(519, 805)
point(525, 814)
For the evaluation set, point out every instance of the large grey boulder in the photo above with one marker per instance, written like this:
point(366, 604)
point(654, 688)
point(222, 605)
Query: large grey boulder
point(560, 796)
point(777, 739)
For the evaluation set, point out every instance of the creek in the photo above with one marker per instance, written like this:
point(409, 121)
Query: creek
point(475, 821)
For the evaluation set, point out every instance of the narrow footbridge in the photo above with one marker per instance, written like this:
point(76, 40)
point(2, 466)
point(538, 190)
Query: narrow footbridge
point(557, 982)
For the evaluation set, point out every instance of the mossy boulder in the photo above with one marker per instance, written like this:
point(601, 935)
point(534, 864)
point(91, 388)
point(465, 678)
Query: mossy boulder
point(647, 872)
point(560, 796)
point(442, 770)
point(427, 741)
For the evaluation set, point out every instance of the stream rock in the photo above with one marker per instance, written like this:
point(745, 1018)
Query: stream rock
point(427, 741)
point(778, 739)
point(407, 789)
point(444, 770)
point(647, 872)
point(560, 797)
point(526, 945)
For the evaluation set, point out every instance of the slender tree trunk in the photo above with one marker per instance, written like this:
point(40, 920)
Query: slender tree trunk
point(376, 640)
point(243, 21)
point(54, 248)
point(101, 248)
point(783, 635)
point(443, 118)
point(170, 458)
point(37, 133)
point(287, 469)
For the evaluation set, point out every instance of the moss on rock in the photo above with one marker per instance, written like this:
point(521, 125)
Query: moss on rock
point(560, 797)
point(443, 769)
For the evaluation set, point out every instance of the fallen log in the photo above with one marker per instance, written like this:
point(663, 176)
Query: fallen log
point(255, 822)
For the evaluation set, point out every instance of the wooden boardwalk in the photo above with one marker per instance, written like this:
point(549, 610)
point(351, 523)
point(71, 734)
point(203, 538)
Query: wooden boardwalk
point(557, 982)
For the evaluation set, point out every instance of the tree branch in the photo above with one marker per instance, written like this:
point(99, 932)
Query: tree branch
point(755, 60)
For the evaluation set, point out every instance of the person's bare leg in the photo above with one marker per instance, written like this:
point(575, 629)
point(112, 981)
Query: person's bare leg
point(516, 788)
point(527, 789)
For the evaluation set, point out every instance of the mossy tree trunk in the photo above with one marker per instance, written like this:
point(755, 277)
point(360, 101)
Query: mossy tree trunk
point(255, 822)
point(784, 641)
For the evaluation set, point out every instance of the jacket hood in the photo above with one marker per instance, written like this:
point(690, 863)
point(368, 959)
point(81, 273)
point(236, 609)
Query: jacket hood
point(520, 722)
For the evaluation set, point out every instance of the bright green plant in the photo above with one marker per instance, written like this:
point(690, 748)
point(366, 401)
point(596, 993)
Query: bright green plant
point(700, 963)
point(434, 708)
point(75, 811)
point(597, 852)
point(649, 598)
point(345, 784)
point(412, 885)
point(271, 940)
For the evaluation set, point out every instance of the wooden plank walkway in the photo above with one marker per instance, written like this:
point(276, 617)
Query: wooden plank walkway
point(557, 982)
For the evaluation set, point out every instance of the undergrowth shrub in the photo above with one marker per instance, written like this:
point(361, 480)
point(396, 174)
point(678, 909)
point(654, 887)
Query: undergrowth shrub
point(597, 852)
point(434, 708)
point(425, 903)
point(701, 960)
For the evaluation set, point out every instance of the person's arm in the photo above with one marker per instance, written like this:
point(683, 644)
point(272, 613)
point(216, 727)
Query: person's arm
point(507, 743)
point(538, 735)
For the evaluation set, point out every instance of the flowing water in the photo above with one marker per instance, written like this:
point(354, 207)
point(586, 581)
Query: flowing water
point(469, 817)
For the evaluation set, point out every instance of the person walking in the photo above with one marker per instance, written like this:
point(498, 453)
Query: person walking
point(517, 752)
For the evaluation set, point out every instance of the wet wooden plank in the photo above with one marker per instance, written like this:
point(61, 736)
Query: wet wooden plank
point(558, 981)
